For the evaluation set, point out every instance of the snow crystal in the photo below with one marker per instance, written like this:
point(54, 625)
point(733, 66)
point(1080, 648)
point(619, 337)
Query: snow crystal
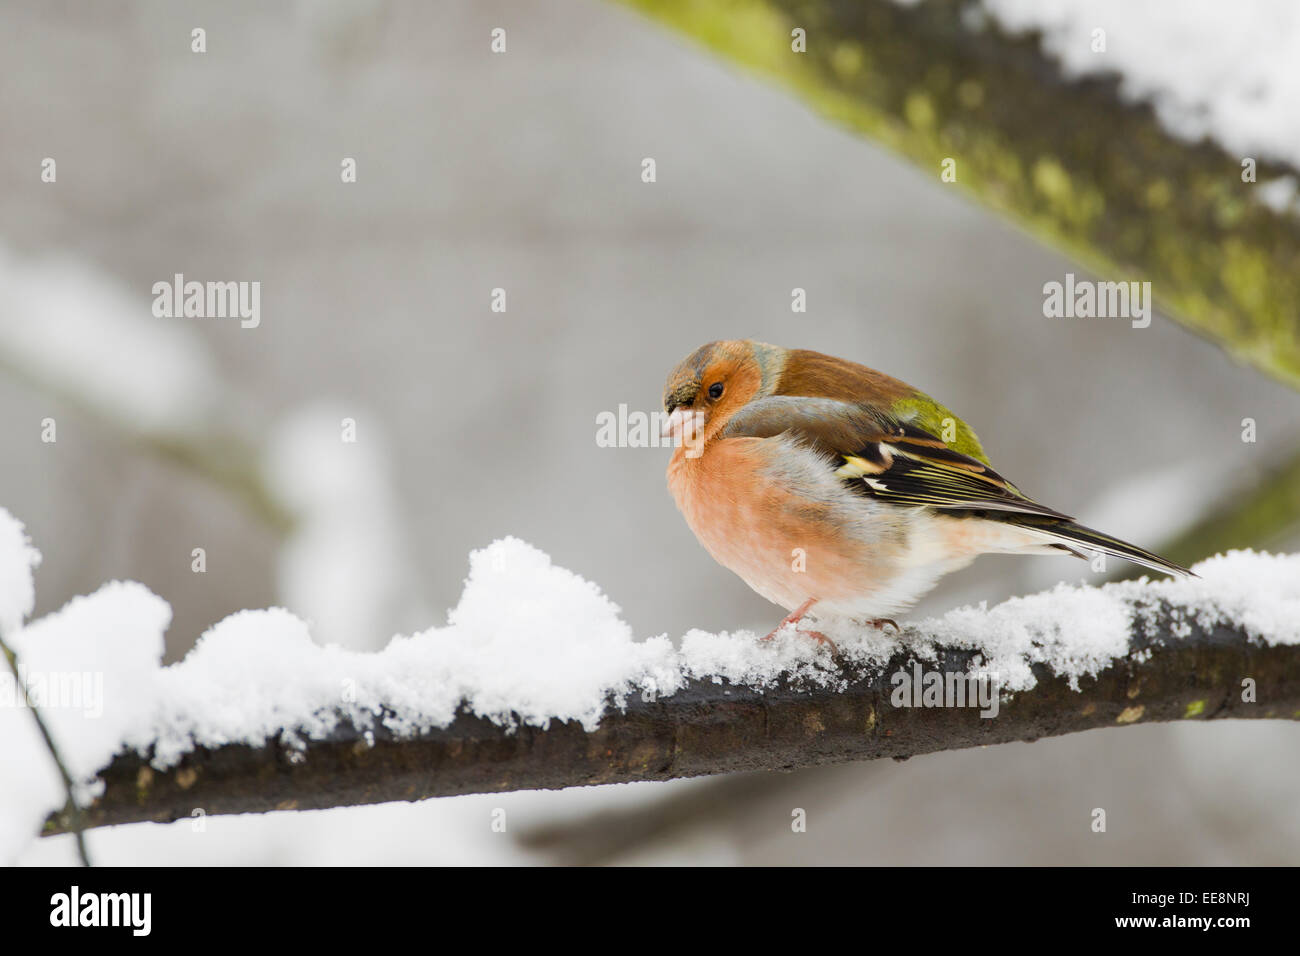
point(1077, 631)
point(742, 658)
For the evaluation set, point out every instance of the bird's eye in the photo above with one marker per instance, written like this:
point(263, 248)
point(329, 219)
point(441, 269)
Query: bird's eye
point(715, 390)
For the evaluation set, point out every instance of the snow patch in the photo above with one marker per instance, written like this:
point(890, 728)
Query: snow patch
point(528, 643)
point(1208, 68)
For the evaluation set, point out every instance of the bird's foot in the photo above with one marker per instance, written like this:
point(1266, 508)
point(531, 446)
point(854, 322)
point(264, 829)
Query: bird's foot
point(821, 638)
point(817, 636)
point(794, 617)
point(880, 622)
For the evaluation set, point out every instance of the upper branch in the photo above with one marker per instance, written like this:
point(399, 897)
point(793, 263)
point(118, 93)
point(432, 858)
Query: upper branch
point(1069, 159)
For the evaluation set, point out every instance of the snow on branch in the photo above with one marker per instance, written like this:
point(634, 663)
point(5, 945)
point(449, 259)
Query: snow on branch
point(712, 726)
point(536, 682)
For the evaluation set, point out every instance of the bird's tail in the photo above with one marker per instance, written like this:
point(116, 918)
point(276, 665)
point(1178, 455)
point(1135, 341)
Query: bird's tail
point(1078, 540)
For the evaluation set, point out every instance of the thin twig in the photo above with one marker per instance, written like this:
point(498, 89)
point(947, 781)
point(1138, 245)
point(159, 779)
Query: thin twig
point(72, 812)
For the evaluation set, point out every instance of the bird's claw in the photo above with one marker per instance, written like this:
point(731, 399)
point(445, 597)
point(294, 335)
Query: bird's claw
point(817, 636)
point(794, 617)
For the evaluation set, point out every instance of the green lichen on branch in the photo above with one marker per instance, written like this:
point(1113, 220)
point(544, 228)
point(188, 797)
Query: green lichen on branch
point(1066, 159)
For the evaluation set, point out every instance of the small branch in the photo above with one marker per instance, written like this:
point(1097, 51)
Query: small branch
point(708, 728)
point(72, 813)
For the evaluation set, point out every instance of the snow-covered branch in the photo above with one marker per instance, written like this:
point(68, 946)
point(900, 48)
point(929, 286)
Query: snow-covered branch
point(536, 682)
point(1177, 668)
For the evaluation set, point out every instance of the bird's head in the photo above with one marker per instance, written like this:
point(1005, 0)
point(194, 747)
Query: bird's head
point(714, 382)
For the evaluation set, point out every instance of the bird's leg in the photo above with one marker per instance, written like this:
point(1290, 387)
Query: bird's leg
point(794, 617)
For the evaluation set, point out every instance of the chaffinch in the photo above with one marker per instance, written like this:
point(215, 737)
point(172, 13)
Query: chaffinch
point(827, 484)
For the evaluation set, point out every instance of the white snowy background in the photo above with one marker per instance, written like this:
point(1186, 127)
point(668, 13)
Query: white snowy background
point(522, 171)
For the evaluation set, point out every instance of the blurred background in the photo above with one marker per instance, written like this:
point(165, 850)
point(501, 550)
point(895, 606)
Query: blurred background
point(522, 171)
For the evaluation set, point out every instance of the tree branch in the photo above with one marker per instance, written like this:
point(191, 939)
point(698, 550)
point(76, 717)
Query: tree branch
point(710, 728)
point(1135, 202)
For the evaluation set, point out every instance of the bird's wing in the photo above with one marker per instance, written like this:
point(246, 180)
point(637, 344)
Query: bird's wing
point(809, 374)
point(884, 457)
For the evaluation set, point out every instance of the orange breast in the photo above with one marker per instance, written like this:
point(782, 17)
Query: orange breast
point(786, 540)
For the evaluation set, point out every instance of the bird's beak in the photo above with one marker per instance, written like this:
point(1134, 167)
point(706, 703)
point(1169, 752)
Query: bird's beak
point(684, 426)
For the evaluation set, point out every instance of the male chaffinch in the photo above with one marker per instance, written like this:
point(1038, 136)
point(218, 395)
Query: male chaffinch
point(825, 483)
